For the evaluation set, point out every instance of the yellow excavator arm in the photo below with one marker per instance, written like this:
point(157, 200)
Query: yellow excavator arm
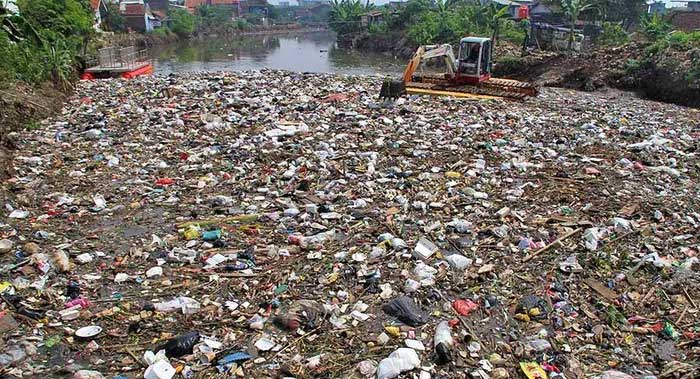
point(426, 52)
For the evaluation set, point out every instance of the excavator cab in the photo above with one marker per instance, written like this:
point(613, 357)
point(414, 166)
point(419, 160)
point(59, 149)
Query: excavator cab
point(474, 60)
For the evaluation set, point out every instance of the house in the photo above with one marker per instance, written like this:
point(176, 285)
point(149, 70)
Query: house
point(138, 16)
point(396, 4)
point(192, 5)
point(312, 3)
point(372, 18)
point(513, 6)
point(313, 14)
point(158, 5)
point(657, 7)
point(260, 7)
point(686, 19)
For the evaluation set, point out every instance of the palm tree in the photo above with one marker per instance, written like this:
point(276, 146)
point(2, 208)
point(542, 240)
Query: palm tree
point(345, 16)
point(572, 10)
point(494, 17)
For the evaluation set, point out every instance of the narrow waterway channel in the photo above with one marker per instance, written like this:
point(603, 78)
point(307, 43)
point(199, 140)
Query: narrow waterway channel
point(302, 52)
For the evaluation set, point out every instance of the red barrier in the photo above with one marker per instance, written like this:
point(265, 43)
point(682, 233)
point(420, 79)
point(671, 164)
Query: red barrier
point(145, 70)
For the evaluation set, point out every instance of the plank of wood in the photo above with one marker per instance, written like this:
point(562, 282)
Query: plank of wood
point(556, 242)
point(601, 289)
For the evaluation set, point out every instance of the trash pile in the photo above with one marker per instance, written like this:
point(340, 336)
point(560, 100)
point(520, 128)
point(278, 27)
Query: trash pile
point(273, 224)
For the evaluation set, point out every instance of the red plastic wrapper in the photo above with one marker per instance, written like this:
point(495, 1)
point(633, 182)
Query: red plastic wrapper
point(464, 307)
point(165, 181)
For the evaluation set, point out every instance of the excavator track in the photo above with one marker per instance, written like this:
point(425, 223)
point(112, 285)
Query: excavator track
point(496, 87)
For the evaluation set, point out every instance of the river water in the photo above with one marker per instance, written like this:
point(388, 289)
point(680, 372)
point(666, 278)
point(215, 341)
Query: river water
point(301, 52)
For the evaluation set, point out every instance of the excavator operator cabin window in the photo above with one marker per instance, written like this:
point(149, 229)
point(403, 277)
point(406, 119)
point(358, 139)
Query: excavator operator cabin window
point(469, 58)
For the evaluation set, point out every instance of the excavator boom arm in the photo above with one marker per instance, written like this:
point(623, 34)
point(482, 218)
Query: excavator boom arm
point(426, 52)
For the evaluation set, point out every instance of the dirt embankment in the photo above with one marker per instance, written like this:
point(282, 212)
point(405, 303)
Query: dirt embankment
point(20, 107)
point(390, 43)
point(666, 76)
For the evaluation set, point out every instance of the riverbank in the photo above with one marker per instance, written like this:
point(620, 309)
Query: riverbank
point(290, 224)
point(152, 39)
point(21, 107)
point(671, 75)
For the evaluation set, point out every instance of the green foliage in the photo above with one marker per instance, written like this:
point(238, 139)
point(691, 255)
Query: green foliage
point(66, 20)
point(242, 24)
point(655, 26)
point(572, 10)
point(59, 65)
point(613, 35)
point(683, 41)
point(161, 32)
point(625, 12)
point(113, 20)
point(449, 21)
point(33, 125)
point(632, 66)
point(495, 16)
point(182, 23)
point(45, 41)
point(693, 74)
point(346, 15)
point(676, 40)
point(211, 16)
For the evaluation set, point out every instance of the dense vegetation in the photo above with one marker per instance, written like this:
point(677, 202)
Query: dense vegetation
point(445, 21)
point(212, 19)
point(427, 22)
point(45, 42)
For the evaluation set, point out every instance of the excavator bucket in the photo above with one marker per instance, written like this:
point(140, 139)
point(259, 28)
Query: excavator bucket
point(392, 89)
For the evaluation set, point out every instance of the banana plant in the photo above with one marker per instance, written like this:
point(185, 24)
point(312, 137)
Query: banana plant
point(494, 18)
point(573, 9)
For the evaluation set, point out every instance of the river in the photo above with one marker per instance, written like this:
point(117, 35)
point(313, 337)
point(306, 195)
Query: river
point(302, 52)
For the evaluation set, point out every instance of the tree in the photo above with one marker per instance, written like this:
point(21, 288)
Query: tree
point(113, 19)
point(69, 20)
point(211, 16)
point(655, 26)
point(628, 12)
point(573, 9)
point(494, 17)
point(346, 15)
point(182, 23)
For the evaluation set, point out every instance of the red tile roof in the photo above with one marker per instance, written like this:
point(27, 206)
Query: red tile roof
point(134, 9)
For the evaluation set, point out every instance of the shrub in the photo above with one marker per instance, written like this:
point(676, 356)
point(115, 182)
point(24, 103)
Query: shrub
point(242, 24)
point(682, 40)
point(161, 32)
point(655, 26)
point(613, 35)
point(182, 23)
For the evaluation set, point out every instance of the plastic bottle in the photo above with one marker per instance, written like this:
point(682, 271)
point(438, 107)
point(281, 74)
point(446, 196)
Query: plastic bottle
point(443, 342)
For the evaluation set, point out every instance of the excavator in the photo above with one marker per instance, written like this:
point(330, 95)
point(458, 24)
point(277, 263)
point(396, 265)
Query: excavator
point(469, 75)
